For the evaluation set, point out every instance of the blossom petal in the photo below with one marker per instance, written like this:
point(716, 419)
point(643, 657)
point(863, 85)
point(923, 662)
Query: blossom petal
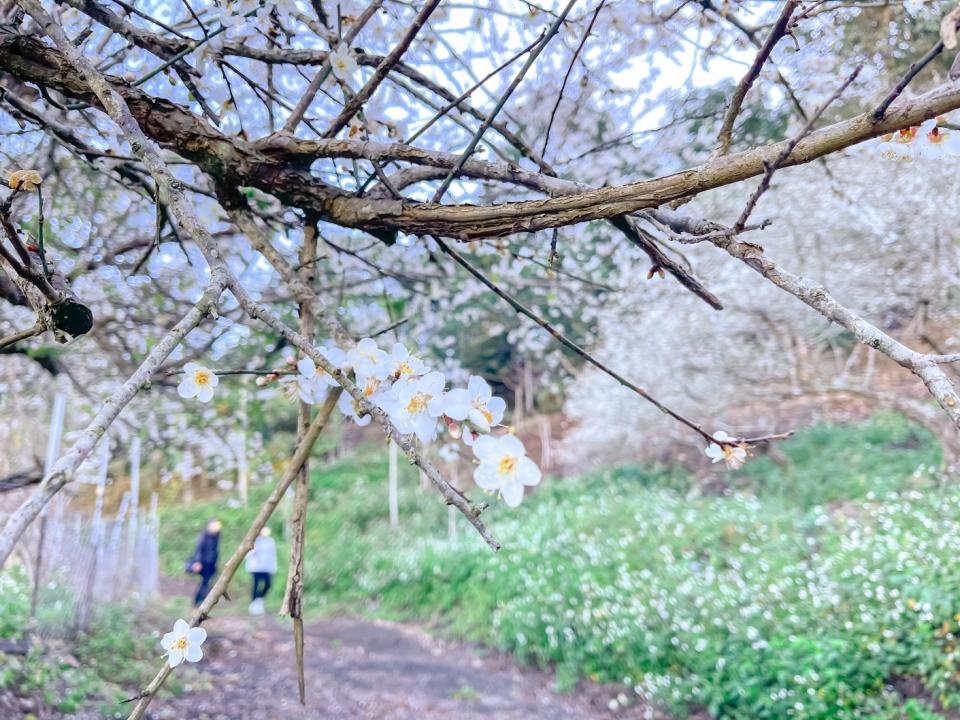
point(527, 472)
point(456, 404)
point(478, 387)
point(487, 449)
point(187, 389)
point(485, 476)
point(307, 367)
point(511, 445)
point(194, 653)
point(196, 635)
point(512, 494)
point(432, 383)
point(497, 407)
point(305, 392)
point(478, 420)
point(205, 394)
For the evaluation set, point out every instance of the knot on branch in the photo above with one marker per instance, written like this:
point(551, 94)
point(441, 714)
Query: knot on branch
point(69, 319)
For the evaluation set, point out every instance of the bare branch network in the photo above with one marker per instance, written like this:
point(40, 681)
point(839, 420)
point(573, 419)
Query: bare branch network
point(319, 152)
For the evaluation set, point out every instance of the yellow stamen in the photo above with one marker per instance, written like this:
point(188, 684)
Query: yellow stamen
point(487, 415)
point(418, 403)
point(179, 644)
point(508, 465)
point(201, 377)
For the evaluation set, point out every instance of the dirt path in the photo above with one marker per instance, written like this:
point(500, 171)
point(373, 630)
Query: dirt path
point(360, 669)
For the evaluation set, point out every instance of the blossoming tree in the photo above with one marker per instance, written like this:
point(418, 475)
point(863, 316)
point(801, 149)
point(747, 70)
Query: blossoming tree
point(190, 180)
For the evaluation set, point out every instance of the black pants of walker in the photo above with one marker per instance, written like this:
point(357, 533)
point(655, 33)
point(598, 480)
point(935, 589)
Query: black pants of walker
point(205, 578)
point(261, 584)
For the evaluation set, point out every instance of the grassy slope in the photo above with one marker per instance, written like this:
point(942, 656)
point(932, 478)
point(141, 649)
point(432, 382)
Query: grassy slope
point(797, 596)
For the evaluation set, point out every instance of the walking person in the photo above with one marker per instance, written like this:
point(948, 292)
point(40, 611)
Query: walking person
point(261, 563)
point(203, 562)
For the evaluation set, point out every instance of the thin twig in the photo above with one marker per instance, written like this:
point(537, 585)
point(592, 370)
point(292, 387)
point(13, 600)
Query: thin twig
point(725, 136)
point(442, 112)
point(388, 328)
point(570, 344)
point(296, 115)
point(915, 68)
point(771, 167)
point(383, 69)
point(566, 77)
point(491, 116)
point(16, 337)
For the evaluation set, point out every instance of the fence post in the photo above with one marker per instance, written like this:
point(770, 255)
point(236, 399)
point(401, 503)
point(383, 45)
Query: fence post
point(131, 555)
point(96, 536)
point(186, 472)
point(243, 472)
point(53, 453)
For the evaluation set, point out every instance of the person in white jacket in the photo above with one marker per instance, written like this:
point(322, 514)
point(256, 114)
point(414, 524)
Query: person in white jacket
point(261, 563)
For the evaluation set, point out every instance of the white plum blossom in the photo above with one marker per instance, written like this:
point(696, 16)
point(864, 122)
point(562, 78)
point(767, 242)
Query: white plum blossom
point(183, 643)
point(403, 364)
point(312, 381)
point(733, 454)
point(899, 145)
point(475, 405)
point(350, 409)
point(368, 360)
point(234, 12)
point(936, 143)
point(373, 389)
point(415, 406)
point(343, 63)
point(504, 467)
point(928, 141)
point(198, 382)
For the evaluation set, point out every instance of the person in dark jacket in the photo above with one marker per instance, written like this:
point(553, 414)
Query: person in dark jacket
point(203, 562)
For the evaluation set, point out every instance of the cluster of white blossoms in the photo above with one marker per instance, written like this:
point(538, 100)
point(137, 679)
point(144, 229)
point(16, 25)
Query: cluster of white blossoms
point(929, 141)
point(416, 401)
